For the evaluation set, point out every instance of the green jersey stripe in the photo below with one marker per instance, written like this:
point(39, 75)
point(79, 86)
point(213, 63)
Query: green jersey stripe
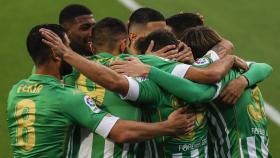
point(70, 144)
point(225, 127)
point(125, 150)
point(240, 149)
point(214, 123)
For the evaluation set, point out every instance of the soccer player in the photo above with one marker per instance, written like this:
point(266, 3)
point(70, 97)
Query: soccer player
point(106, 98)
point(145, 20)
point(243, 127)
point(180, 22)
point(184, 145)
point(42, 112)
point(141, 22)
point(109, 35)
point(77, 20)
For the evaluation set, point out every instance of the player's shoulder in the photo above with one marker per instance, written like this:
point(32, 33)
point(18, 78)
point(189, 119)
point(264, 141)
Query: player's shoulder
point(154, 58)
point(69, 90)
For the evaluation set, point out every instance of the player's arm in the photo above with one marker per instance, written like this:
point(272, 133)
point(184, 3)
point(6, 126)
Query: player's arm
point(178, 122)
point(94, 71)
point(143, 91)
point(213, 73)
point(257, 72)
point(81, 109)
point(182, 88)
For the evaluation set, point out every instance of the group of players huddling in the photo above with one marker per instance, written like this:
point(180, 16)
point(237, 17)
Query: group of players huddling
point(153, 88)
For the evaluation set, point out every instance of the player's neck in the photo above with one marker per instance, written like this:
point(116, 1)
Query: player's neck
point(48, 69)
point(115, 52)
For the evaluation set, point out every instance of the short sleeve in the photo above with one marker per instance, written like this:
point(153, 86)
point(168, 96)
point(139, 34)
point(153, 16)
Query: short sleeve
point(82, 110)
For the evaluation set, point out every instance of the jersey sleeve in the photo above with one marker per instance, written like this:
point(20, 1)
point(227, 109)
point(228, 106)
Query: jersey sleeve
point(143, 91)
point(182, 88)
point(82, 110)
point(173, 67)
point(257, 72)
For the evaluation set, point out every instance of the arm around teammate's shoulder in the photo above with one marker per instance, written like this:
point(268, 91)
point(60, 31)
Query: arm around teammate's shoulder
point(130, 131)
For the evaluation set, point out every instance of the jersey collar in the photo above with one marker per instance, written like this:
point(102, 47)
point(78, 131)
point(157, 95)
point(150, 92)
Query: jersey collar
point(44, 78)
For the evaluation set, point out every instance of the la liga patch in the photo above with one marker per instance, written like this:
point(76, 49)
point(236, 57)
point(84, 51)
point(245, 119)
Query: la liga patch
point(202, 61)
point(90, 103)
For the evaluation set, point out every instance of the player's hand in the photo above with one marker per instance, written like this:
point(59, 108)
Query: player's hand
point(54, 42)
point(185, 54)
point(240, 63)
point(133, 67)
point(167, 52)
point(181, 122)
point(233, 90)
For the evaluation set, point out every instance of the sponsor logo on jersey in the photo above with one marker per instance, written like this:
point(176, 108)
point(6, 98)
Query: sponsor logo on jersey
point(90, 103)
point(202, 61)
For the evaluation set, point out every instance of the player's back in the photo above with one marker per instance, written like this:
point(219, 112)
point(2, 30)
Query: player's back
point(37, 126)
point(241, 130)
point(108, 101)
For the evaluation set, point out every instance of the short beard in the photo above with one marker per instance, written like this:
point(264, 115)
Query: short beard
point(81, 50)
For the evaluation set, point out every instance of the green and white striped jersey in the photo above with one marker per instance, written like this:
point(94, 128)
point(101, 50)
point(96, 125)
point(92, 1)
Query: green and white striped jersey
point(160, 104)
point(241, 130)
point(42, 114)
point(93, 145)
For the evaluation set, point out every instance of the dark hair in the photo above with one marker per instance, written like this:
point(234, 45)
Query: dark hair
point(145, 15)
point(107, 32)
point(160, 37)
point(182, 21)
point(38, 50)
point(200, 39)
point(72, 11)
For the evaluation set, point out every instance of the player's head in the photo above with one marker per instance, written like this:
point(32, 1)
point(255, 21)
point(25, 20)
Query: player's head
point(179, 22)
point(77, 20)
point(40, 53)
point(161, 39)
point(200, 39)
point(110, 35)
point(143, 21)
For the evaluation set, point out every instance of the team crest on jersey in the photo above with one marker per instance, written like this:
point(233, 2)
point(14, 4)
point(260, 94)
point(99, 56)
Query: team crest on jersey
point(202, 61)
point(90, 103)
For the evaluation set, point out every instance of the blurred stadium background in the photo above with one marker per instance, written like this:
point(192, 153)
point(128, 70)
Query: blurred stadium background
point(253, 26)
